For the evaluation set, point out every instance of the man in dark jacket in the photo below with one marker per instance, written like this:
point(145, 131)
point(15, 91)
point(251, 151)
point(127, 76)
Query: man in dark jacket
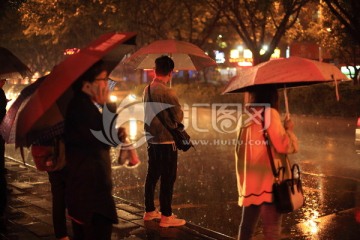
point(162, 150)
point(89, 184)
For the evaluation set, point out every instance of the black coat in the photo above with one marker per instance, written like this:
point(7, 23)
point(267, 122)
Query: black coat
point(89, 183)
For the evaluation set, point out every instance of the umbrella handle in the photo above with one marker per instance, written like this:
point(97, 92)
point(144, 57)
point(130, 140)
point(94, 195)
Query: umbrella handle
point(336, 88)
point(287, 113)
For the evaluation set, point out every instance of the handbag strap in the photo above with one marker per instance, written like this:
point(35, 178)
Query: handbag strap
point(267, 139)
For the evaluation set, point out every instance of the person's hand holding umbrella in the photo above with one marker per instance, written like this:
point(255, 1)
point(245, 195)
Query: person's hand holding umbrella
point(288, 123)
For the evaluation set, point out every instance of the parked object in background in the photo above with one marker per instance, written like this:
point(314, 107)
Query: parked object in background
point(128, 156)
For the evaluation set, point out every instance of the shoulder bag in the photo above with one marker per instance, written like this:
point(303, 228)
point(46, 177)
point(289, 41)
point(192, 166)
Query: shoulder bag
point(288, 193)
point(181, 137)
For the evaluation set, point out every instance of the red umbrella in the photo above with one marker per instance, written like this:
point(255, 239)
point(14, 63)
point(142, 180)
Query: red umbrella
point(11, 66)
point(284, 73)
point(287, 72)
point(185, 55)
point(43, 108)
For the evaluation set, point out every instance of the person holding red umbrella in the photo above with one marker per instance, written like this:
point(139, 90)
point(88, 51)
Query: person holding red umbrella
point(253, 168)
point(90, 203)
point(162, 152)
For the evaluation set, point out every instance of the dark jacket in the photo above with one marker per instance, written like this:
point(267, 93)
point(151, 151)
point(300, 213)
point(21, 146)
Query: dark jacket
point(3, 103)
point(89, 184)
point(170, 111)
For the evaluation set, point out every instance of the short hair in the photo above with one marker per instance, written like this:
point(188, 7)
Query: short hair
point(90, 74)
point(164, 65)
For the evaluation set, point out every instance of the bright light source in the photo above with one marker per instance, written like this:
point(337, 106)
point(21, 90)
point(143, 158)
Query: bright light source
point(234, 53)
point(240, 48)
point(113, 98)
point(132, 97)
point(133, 128)
point(247, 53)
point(276, 53)
point(264, 49)
point(245, 64)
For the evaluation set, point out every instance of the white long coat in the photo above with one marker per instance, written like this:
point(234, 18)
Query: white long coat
point(254, 174)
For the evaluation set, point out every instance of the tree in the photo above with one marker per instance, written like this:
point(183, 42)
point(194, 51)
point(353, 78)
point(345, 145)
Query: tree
point(342, 19)
point(260, 22)
point(49, 27)
point(73, 23)
point(347, 12)
point(189, 20)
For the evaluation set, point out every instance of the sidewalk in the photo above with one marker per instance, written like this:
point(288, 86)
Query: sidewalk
point(29, 213)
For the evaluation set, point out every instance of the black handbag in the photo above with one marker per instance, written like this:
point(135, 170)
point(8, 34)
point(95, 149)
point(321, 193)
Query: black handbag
point(288, 193)
point(181, 137)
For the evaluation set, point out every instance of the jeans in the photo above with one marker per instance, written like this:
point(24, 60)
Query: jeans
point(271, 221)
point(57, 181)
point(162, 165)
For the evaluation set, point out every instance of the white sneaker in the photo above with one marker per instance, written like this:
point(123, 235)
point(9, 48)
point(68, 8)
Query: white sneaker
point(148, 216)
point(171, 221)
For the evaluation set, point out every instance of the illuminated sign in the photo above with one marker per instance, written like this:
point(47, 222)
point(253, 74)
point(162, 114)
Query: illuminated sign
point(219, 57)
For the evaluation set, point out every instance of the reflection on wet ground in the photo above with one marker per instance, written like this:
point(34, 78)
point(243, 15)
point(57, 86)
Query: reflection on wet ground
point(205, 190)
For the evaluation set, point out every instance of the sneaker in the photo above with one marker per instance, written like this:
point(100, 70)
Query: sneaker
point(152, 215)
point(133, 164)
point(171, 221)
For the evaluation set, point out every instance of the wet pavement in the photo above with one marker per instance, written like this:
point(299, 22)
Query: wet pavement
point(205, 192)
point(29, 213)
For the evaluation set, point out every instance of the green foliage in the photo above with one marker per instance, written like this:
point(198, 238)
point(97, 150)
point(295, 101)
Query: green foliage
point(321, 100)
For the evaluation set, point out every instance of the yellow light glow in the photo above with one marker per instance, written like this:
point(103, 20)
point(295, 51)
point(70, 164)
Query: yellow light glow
point(234, 53)
point(113, 98)
point(276, 53)
point(247, 53)
point(133, 128)
point(245, 64)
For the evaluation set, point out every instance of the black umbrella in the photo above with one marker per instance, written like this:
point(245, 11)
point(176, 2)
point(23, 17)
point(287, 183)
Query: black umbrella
point(11, 66)
point(8, 126)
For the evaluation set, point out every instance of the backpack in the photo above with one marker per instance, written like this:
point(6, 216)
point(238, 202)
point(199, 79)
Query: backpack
point(49, 156)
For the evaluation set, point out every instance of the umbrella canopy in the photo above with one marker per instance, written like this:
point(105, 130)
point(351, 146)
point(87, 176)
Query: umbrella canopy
point(8, 125)
point(47, 104)
point(288, 72)
point(11, 66)
point(186, 56)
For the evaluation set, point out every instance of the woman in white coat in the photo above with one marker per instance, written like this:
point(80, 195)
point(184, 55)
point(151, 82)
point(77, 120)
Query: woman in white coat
point(254, 173)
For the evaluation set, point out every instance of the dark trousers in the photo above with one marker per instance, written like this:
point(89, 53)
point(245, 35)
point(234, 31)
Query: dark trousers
point(271, 221)
point(99, 229)
point(162, 164)
point(57, 181)
point(3, 184)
